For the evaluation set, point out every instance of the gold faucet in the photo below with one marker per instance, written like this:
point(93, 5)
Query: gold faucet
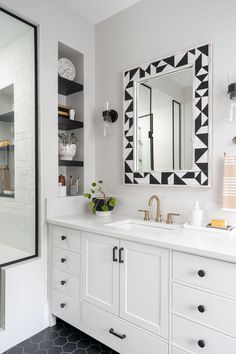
point(169, 219)
point(146, 214)
point(158, 210)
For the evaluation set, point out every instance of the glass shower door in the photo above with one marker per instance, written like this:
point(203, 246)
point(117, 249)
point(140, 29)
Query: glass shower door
point(18, 139)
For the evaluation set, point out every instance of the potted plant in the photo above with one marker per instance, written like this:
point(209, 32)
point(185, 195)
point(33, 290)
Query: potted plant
point(99, 203)
point(67, 146)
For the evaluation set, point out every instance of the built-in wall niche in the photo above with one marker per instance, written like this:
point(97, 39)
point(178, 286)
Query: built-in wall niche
point(70, 125)
point(7, 184)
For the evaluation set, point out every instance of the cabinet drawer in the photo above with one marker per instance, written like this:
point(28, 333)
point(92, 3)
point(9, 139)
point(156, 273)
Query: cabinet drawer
point(137, 341)
point(66, 260)
point(178, 351)
point(66, 238)
point(192, 336)
point(64, 306)
point(209, 309)
point(65, 283)
point(205, 272)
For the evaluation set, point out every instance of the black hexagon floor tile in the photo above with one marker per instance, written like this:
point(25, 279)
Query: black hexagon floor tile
point(60, 339)
point(16, 350)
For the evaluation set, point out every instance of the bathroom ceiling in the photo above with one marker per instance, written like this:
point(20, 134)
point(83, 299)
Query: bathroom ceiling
point(98, 10)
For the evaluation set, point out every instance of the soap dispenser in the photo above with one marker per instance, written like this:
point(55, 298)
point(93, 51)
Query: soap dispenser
point(197, 215)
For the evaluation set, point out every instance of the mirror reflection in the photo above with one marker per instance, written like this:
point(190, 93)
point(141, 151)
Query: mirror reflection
point(18, 178)
point(164, 122)
point(7, 141)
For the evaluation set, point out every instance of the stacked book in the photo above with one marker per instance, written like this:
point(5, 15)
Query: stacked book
point(63, 111)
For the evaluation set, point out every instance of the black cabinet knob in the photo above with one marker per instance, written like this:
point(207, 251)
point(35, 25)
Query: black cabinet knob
point(201, 343)
point(63, 260)
point(201, 273)
point(63, 238)
point(201, 308)
point(62, 305)
point(63, 282)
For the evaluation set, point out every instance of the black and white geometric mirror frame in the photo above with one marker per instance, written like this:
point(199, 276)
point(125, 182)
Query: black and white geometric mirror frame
point(200, 59)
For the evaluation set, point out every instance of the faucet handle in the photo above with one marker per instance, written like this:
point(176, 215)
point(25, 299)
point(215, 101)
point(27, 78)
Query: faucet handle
point(146, 214)
point(169, 219)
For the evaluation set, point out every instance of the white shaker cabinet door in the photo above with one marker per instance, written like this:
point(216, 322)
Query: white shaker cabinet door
point(100, 271)
point(144, 286)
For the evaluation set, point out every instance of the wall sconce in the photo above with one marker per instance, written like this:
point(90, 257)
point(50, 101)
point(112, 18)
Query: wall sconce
point(109, 116)
point(230, 109)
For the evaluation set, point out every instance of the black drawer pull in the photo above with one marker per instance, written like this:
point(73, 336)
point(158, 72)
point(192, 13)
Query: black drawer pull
point(201, 273)
point(63, 260)
point(63, 305)
point(201, 308)
point(63, 282)
point(201, 343)
point(121, 336)
point(114, 254)
point(120, 255)
point(63, 238)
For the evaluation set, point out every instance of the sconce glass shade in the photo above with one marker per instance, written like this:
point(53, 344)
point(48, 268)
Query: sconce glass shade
point(109, 116)
point(230, 108)
point(106, 130)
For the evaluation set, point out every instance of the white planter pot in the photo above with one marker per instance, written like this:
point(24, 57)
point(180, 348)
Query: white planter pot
point(103, 213)
point(67, 152)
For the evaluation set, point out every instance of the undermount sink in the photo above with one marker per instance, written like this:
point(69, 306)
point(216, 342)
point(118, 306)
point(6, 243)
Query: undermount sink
point(144, 226)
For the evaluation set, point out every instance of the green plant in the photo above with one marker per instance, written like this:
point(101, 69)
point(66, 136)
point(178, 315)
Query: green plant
point(98, 198)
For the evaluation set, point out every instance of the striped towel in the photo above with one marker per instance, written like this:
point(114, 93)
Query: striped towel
point(229, 183)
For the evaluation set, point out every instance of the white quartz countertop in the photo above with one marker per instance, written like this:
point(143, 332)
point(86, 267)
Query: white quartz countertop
point(219, 245)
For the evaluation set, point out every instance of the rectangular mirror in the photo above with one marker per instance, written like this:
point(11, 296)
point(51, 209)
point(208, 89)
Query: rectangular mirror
point(18, 139)
point(167, 120)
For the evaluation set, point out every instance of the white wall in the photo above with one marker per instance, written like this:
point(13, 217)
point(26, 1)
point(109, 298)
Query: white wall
point(24, 301)
point(57, 23)
point(187, 128)
point(6, 102)
point(147, 31)
point(164, 91)
point(143, 127)
point(162, 126)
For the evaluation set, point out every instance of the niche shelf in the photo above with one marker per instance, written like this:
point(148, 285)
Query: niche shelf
point(7, 117)
point(68, 124)
point(68, 87)
point(7, 195)
point(72, 163)
point(7, 148)
point(71, 97)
